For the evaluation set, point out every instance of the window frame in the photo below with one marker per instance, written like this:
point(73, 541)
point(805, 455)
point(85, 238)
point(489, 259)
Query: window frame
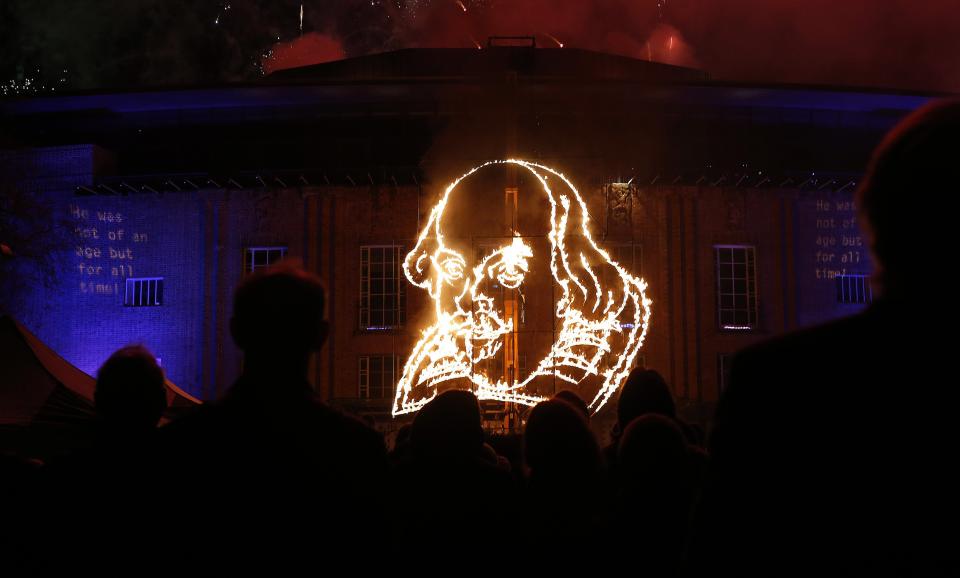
point(249, 257)
point(388, 387)
point(750, 294)
point(723, 371)
point(364, 309)
point(490, 286)
point(635, 266)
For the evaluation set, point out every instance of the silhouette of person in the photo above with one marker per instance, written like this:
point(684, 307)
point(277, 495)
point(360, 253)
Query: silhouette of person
point(21, 499)
point(105, 494)
point(452, 498)
point(830, 446)
point(563, 490)
point(645, 392)
point(571, 397)
point(130, 397)
point(659, 475)
point(277, 476)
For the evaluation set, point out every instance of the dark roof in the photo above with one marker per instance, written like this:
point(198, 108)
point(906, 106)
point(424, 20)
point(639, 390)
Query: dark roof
point(456, 64)
point(377, 119)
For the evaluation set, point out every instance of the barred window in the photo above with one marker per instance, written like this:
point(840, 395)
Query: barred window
point(736, 287)
point(854, 289)
point(378, 375)
point(382, 293)
point(143, 292)
point(256, 258)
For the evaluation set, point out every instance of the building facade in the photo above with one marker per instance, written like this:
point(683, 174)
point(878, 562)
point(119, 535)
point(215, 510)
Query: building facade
point(734, 203)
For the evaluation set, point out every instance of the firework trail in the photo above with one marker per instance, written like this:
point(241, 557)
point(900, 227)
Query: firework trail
point(222, 11)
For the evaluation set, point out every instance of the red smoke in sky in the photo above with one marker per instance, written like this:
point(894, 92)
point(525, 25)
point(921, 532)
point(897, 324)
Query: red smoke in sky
point(909, 44)
point(889, 43)
point(311, 48)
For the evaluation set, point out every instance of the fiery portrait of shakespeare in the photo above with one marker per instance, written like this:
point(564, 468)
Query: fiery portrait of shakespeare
point(596, 313)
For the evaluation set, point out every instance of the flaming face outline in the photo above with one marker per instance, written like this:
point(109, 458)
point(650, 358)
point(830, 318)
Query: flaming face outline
point(586, 323)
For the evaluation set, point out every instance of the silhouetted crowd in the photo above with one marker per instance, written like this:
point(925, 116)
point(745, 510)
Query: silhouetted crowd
point(832, 452)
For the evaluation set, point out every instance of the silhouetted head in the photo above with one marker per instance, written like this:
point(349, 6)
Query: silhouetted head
point(279, 313)
point(645, 392)
point(130, 393)
point(652, 448)
point(571, 397)
point(558, 443)
point(908, 196)
point(450, 426)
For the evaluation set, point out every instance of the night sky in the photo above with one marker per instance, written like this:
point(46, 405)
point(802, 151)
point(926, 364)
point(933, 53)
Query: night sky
point(64, 45)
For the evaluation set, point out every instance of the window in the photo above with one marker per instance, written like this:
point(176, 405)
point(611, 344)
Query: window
point(737, 287)
point(378, 376)
point(256, 258)
point(381, 288)
point(493, 368)
point(143, 292)
point(854, 289)
point(500, 295)
point(723, 370)
point(488, 287)
point(628, 257)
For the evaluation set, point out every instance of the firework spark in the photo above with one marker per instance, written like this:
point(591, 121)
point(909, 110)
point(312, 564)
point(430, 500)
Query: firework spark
point(554, 38)
point(223, 9)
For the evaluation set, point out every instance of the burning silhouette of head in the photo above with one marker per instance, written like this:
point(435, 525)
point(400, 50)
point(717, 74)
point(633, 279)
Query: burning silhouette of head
point(600, 315)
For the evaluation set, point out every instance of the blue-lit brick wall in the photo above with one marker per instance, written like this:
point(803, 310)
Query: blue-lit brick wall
point(193, 240)
point(82, 315)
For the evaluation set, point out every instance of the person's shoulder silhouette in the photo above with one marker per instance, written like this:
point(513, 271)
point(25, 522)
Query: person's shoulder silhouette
point(451, 493)
point(107, 493)
point(827, 446)
point(270, 455)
